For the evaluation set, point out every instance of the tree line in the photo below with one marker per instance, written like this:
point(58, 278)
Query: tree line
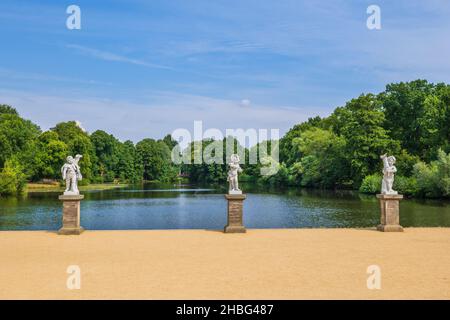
point(28, 154)
point(408, 119)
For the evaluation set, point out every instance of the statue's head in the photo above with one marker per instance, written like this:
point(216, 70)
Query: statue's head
point(234, 158)
point(391, 160)
point(69, 159)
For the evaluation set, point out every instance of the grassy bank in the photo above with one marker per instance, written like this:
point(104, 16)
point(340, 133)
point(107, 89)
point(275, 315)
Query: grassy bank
point(41, 187)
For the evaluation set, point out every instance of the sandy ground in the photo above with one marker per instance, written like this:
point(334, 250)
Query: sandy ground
point(201, 264)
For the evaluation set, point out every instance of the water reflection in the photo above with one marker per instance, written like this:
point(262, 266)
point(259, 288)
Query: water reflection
point(204, 207)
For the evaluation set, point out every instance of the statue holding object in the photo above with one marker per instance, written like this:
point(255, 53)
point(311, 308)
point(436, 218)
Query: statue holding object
point(233, 175)
point(389, 171)
point(71, 174)
point(389, 198)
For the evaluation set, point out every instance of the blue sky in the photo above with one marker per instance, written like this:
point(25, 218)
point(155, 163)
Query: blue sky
point(145, 68)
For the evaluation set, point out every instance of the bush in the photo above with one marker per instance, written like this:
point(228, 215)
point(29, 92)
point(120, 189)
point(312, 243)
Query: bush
point(280, 178)
point(12, 178)
point(406, 185)
point(433, 180)
point(371, 184)
point(246, 178)
point(405, 163)
point(443, 169)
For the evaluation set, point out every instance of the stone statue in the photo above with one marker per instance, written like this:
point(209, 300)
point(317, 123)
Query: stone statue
point(233, 175)
point(388, 174)
point(71, 173)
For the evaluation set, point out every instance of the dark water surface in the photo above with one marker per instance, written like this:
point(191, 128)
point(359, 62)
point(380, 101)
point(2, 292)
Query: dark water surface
point(189, 207)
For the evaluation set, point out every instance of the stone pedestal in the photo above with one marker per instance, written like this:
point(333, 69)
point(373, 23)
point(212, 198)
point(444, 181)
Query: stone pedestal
point(390, 216)
point(71, 214)
point(234, 221)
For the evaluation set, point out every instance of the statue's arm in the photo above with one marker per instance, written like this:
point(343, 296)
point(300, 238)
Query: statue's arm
point(385, 161)
point(78, 172)
point(63, 172)
point(77, 158)
point(390, 169)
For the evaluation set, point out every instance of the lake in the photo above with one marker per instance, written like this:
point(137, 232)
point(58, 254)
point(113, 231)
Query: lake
point(153, 206)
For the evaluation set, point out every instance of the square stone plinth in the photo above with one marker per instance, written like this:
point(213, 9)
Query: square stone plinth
point(71, 215)
point(390, 212)
point(234, 209)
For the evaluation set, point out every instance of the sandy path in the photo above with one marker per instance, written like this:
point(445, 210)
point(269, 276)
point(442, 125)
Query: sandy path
point(199, 264)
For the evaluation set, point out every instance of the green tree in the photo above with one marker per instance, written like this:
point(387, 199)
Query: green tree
point(129, 168)
point(17, 135)
point(324, 163)
point(360, 123)
point(211, 169)
point(170, 142)
point(50, 156)
point(12, 178)
point(417, 114)
point(433, 180)
point(106, 148)
point(154, 157)
point(288, 153)
point(78, 142)
point(207, 159)
point(6, 109)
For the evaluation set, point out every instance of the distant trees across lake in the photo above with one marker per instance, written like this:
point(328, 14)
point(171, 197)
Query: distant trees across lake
point(409, 120)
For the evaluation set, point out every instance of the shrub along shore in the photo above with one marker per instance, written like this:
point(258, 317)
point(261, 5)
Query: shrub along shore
point(46, 187)
point(409, 120)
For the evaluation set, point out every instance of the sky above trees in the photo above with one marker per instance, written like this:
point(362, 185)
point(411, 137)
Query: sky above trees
point(145, 68)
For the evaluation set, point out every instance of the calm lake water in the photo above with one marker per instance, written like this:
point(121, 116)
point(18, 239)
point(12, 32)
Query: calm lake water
point(190, 207)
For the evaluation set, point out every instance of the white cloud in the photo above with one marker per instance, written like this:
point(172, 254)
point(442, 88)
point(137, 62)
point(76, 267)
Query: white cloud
point(108, 56)
point(11, 74)
point(79, 125)
point(245, 102)
point(166, 112)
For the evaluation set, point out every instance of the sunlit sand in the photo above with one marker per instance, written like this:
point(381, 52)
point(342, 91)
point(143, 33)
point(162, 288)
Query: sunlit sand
point(204, 264)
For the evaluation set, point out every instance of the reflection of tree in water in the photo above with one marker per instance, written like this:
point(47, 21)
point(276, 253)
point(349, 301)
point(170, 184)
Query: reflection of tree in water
point(174, 206)
point(37, 212)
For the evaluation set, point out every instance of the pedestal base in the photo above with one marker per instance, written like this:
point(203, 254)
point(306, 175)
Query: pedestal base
point(390, 213)
point(234, 229)
point(71, 215)
point(389, 228)
point(70, 231)
point(234, 220)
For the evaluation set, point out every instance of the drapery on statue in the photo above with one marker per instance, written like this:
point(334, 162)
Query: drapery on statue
point(233, 175)
point(388, 174)
point(71, 173)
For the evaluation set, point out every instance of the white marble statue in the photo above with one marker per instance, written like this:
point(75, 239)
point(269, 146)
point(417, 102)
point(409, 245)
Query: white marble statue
point(71, 173)
point(233, 175)
point(388, 174)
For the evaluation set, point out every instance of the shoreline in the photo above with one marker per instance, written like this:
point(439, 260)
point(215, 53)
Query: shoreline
point(38, 187)
point(221, 230)
point(321, 263)
point(42, 187)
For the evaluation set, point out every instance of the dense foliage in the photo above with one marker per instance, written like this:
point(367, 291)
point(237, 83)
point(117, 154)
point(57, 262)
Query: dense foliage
point(410, 120)
point(28, 154)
